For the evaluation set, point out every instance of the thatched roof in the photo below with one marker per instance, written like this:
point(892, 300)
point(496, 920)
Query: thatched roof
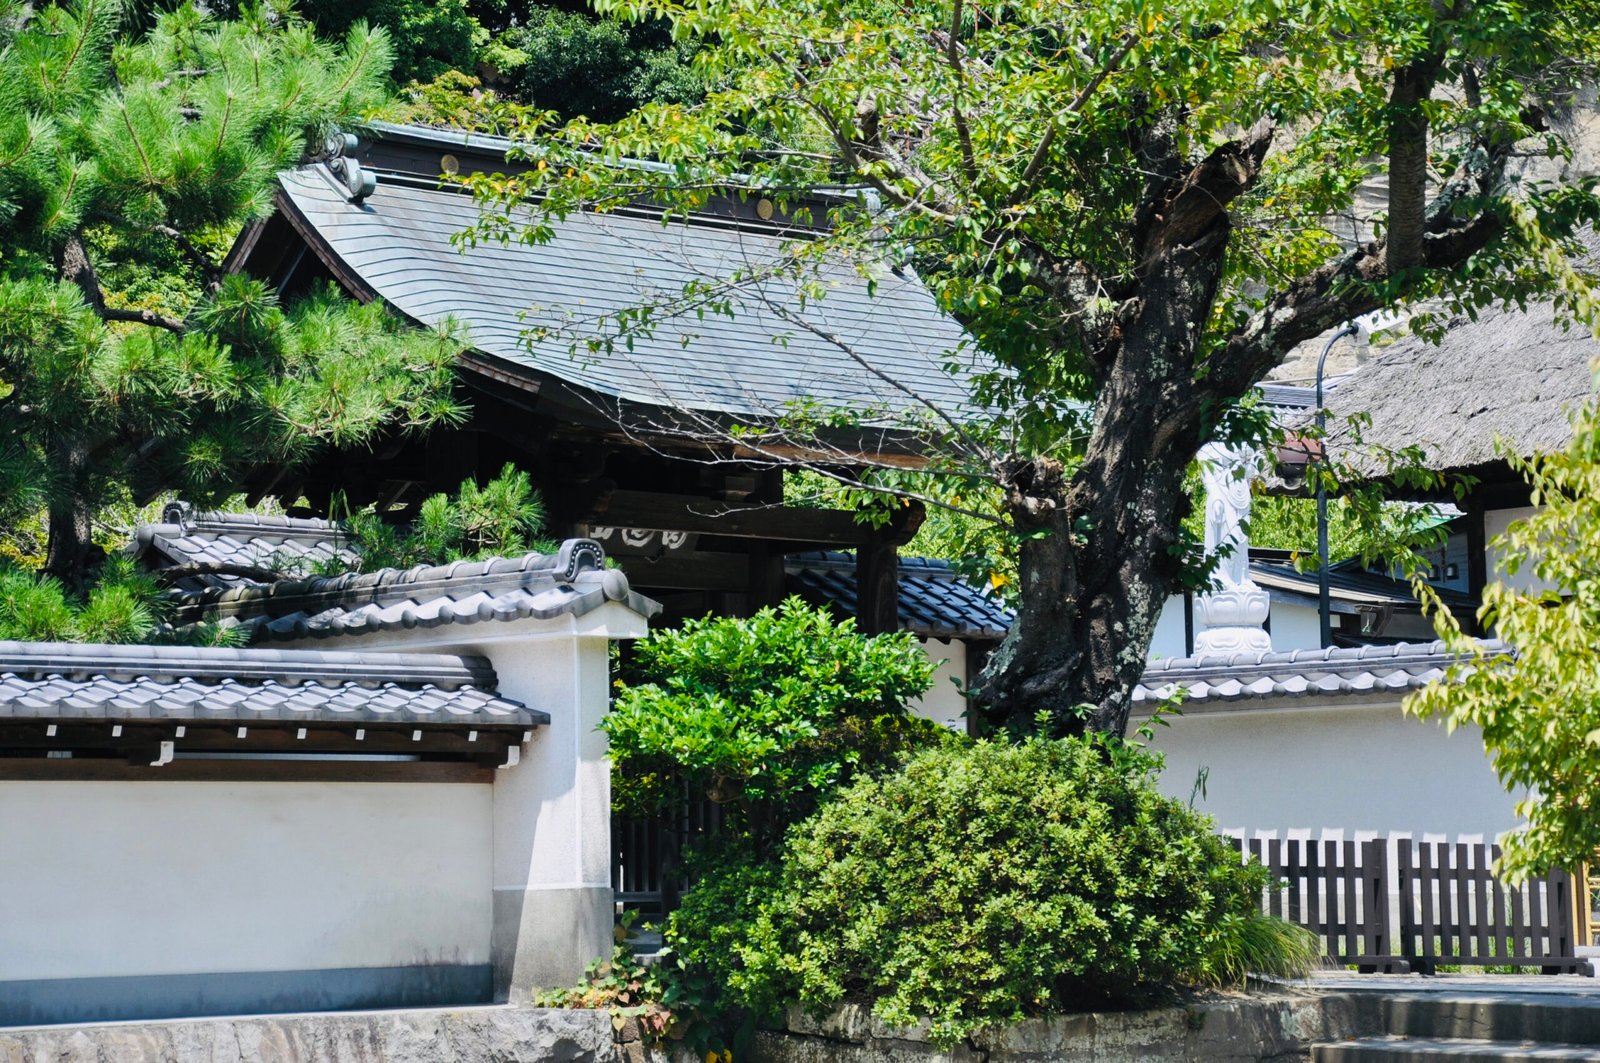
point(1510, 375)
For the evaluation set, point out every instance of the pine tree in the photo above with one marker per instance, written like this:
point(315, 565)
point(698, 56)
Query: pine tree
point(127, 355)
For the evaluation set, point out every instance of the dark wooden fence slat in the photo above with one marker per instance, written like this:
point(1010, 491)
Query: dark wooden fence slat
point(1427, 882)
point(1519, 923)
point(1538, 914)
point(1351, 915)
point(1483, 897)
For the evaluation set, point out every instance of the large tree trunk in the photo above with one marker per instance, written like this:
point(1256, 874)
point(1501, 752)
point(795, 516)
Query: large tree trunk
point(70, 546)
point(1102, 552)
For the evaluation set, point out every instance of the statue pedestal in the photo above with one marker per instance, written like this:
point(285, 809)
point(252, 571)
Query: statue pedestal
point(1231, 621)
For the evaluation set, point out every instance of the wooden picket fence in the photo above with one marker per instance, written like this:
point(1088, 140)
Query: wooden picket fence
point(1399, 905)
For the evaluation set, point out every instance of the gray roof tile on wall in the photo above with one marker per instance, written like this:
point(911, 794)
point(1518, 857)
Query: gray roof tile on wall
point(1340, 671)
point(79, 682)
point(750, 363)
point(294, 546)
point(571, 582)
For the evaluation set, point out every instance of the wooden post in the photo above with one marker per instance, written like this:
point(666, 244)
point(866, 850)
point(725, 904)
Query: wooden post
point(1581, 931)
point(877, 587)
point(766, 575)
point(1477, 557)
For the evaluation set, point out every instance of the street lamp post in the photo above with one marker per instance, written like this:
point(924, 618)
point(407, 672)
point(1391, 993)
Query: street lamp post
point(1324, 609)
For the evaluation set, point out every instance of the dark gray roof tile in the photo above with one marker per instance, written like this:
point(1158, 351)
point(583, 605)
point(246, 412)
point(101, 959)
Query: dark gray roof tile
point(294, 546)
point(933, 601)
point(754, 363)
point(73, 681)
point(571, 581)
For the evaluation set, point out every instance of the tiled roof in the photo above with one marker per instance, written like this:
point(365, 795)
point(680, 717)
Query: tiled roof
point(933, 601)
point(293, 546)
point(745, 359)
point(540, 586)
point(1341, 671)
point(73, 682)
point(1350, 587)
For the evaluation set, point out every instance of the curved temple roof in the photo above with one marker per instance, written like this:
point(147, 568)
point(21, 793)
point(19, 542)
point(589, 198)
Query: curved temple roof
point(745, 360)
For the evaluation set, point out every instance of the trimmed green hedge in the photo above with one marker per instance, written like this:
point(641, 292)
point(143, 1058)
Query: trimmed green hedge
point(983, 884)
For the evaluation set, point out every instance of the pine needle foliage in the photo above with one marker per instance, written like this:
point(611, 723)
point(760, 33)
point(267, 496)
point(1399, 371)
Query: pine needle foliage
point(503, 518)
point(124, 606)
point(128, 358)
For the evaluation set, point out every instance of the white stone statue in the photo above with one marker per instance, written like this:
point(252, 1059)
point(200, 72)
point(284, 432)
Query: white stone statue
point(1231, 616)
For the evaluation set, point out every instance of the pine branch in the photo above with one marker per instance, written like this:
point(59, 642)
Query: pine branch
point(197, 258)
point(143, 317)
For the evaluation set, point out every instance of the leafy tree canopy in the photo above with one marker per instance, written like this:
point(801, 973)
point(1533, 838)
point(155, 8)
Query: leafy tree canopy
point(1131, 207)
point(1540, 709)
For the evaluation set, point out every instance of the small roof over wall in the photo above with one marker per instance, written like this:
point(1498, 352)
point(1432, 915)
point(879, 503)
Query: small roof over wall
point(148, 703)
point(1254, 679)
point(235, 584)
point(221, 550)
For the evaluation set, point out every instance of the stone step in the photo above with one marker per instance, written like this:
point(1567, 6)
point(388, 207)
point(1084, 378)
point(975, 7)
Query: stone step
point(1459, 1050)
point(1543, 1018)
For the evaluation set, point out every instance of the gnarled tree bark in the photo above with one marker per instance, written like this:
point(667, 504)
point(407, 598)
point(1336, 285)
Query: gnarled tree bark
point(1100, 550)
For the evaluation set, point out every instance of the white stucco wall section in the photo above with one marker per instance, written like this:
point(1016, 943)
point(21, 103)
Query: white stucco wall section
point(1170, 638)
point(1495, 523)
point(551, 814)
point(1296, 627)
point(944, 703)
point(1351, 766)
point(103, 879)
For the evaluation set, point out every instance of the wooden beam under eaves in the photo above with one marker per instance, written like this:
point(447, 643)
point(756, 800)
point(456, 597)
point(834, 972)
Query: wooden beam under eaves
point(738, 520)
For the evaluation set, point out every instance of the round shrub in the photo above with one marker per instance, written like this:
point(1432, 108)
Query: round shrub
point(984, 883)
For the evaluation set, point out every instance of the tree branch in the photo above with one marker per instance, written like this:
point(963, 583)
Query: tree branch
point(1338, 291)
point(143, 317)
point(1201, 201)
point(197, 258)
point(952, 51)
point(75, 267)
point(1041, 153)
point(1408, 163)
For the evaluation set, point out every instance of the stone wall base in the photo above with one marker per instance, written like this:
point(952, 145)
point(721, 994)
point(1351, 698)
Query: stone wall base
point(1234, 1029)
point(545, 938)
point(479, 1035)
point(1239, 1029)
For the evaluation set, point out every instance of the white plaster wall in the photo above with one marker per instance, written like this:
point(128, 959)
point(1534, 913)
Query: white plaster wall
point(1356, 767)
point(1495, 523)
point(1169, 639)
point(943, 703)
point(553, 810)
point(1295, 627)
point(139, 878)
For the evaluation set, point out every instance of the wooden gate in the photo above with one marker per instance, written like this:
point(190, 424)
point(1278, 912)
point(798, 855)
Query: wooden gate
point(1453, 910)
point(1400, 905)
